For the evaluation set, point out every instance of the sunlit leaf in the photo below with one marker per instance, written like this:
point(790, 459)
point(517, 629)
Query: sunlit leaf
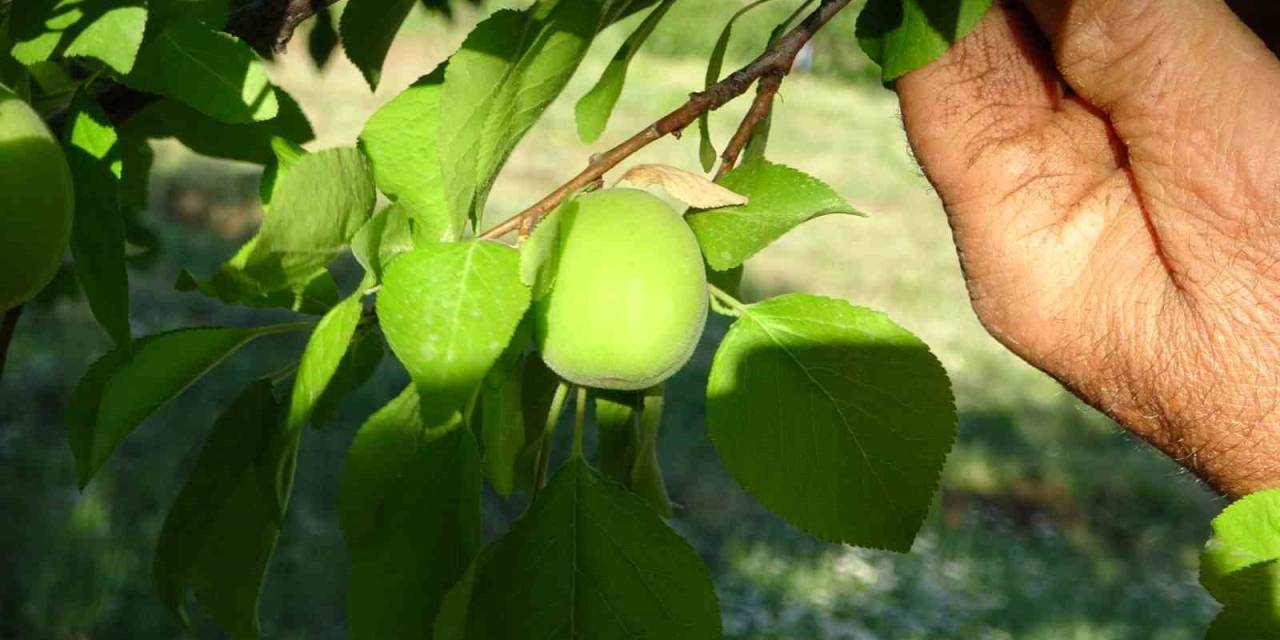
point(707, 150)
point(356, 368)
point(833, 417)
point(386, 235)
point(109, 31)
point(321, 358)
point(401, 140)
point(594, 108)
point(1245, 533)
point(780, 199)
point(121, 389)
point(208, 70)
point(448, 310)
point(506, 73)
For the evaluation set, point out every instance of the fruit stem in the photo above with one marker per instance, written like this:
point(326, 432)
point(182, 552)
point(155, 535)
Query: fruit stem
point(7, 328)
point(726, 299)
point(579, 419)
point(544, 449)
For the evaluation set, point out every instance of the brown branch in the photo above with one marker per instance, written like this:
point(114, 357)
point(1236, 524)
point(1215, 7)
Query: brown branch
point(766, 89)
point(268, 25)
point(776, 61)
point(7, 327)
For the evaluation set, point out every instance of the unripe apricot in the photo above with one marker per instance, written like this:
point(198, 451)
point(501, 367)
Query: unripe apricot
point(35, 202)
point(629, 298)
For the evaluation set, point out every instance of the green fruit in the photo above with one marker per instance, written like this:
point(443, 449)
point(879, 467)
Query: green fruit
point(629, 298)
point(35, 202)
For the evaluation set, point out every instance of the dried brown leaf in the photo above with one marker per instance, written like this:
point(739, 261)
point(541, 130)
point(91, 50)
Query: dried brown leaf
point(689, 188)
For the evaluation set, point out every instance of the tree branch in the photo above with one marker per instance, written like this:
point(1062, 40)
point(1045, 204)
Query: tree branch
point(268, 25)
point(776, 61)
point(766, 89)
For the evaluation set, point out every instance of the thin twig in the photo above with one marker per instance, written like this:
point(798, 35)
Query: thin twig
point(777, 59)
point(766, 89)
point(7, 327)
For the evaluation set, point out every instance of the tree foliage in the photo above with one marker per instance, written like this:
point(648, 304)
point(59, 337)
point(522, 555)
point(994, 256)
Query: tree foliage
point(830, 414)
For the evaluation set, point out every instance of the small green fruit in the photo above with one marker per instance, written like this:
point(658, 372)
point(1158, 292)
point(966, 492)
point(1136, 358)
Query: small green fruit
point(36, 202)
point(629, 298)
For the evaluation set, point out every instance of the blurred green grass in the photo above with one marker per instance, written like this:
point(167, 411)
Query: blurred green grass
point(1051, 522)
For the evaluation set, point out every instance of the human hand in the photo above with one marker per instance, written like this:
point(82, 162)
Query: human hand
point(1110, 173)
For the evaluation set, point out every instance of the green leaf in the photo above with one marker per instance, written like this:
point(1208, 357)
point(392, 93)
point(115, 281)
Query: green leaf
point(401, 141)
point(779, 199)
point(356, 368)
point(221, 531)
point(109, 31)
point(594, 108)
point(448, 310)
point(507, 72)
point(120, 389)
point(323, 38)
point(904, 35)
point(591, 560)
point(315, 296)
point(411, 517)
point(208, 70)
point(833, 417)
point(1245, 533)
point(286, 154)
point(1251, 600)
point(707, 150)
point(317, 206)
point(320, 360)
point(502, 428)
point(385, 236)
point(98, 230)
point(368, 28)
point(207, 136)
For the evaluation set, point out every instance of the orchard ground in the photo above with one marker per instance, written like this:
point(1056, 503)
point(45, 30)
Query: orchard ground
point(1050, 524)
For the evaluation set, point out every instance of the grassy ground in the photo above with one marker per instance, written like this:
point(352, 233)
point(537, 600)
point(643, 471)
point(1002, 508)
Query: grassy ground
point(1051, 523)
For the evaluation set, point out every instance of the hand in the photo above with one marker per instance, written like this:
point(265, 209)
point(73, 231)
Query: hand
point(1111, 172)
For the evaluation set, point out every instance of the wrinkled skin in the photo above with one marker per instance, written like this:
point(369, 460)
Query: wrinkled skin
point(1111, 172)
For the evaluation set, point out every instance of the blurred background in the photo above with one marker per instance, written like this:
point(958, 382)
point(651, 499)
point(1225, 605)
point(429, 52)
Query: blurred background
point(1050, 523)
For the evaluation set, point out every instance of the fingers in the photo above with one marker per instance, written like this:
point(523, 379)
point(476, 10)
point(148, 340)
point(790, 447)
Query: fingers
point(1191, 93)
point(1119, 53)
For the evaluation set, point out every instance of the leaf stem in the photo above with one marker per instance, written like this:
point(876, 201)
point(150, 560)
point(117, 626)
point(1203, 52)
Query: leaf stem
point(776, 60)
point(283, 374)
point(726, 299)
